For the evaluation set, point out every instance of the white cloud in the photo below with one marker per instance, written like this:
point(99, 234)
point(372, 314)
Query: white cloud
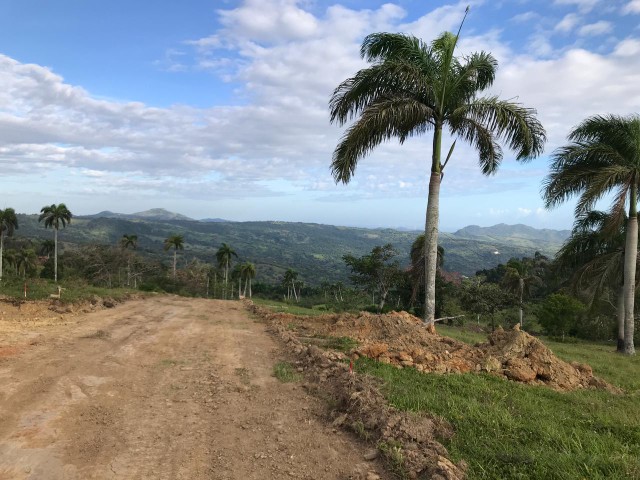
point(280, 140)
point(525, 17)
point(597, 28)
point(633, 7)
point(582, 5)
point(568, 23)
point(628, 48)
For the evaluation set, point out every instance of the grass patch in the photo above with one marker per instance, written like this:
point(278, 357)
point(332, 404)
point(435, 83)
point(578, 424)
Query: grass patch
point(74, 291)
point(466, 336)
point(342, 344)
point(287, 307)
point(511, 431)
point(285, 372)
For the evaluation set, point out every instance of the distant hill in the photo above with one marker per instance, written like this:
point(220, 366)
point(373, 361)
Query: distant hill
point(519, 231)
point(314, 250)
point(153, 214)
point(214, 220)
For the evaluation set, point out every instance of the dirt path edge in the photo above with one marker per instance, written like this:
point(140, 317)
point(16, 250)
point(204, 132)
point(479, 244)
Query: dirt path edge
point(407, 441)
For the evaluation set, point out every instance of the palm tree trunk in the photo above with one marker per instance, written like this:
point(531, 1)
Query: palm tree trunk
point(431, 249)
point(620, 312)
point(521, 288)
point(249, 287)
point(1, 251)
point(383, 298)
point(226, 278)
point(630, 254)
point(175, 256)
point(55, 255)
point(431, 232)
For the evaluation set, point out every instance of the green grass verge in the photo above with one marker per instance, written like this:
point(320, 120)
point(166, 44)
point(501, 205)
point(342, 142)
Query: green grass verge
point(342, 344)
point(287, 307)
point(41, 289)
point(285, 372)
point(511, 431)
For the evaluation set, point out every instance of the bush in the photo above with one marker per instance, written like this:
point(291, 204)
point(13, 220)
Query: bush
point(560, 314)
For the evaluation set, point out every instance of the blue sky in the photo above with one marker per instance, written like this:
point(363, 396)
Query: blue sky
point(219, 108)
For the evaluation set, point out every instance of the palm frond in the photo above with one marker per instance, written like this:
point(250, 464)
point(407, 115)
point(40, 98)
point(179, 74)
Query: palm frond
point(383, 46)
point(386, 119)
point(478, 135)
point(512, 123)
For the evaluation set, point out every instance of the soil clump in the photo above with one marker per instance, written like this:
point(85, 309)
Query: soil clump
point(401, 339)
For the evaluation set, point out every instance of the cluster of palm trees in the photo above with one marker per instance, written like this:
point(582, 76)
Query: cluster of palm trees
point(412, 87)
point(603, 158)
point(54, 216)
point(243, 273)
point(291, 283)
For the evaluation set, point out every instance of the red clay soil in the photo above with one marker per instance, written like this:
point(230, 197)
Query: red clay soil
point(401, 339)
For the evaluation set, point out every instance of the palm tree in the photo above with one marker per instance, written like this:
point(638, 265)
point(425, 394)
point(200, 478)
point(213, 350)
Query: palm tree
point(47, 247)
point(249, 273)
point(177, 243)
point(412, 88)
point(594, 258)
point(125, 242)
point(223, 256)
point(25, 260)
point(8, 223)
point(518, 279)
point(9, 259)
point(603, 156)
point(289, 280)
point(54, 216)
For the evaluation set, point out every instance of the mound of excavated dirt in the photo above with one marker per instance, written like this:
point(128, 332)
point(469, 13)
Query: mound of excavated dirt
point(401, 339)
point(524, 358)
point(408, 441)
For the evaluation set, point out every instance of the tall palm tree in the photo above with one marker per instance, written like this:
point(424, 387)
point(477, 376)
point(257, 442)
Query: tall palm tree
point(249, 273)
point(8, 223)
point(224, 256)
point(519, 279)
point(54, 216)
point(126, 242)
point(603, 157)
point(177, 243)
point(593, 257)
point(412, 88)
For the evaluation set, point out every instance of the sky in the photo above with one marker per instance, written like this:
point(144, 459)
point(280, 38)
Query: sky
point(220, 108)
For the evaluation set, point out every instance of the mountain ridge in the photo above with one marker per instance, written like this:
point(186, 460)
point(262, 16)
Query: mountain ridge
point(313, 249)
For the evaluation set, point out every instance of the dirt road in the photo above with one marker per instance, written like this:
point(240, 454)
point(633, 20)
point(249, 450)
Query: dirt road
point(163, 388)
